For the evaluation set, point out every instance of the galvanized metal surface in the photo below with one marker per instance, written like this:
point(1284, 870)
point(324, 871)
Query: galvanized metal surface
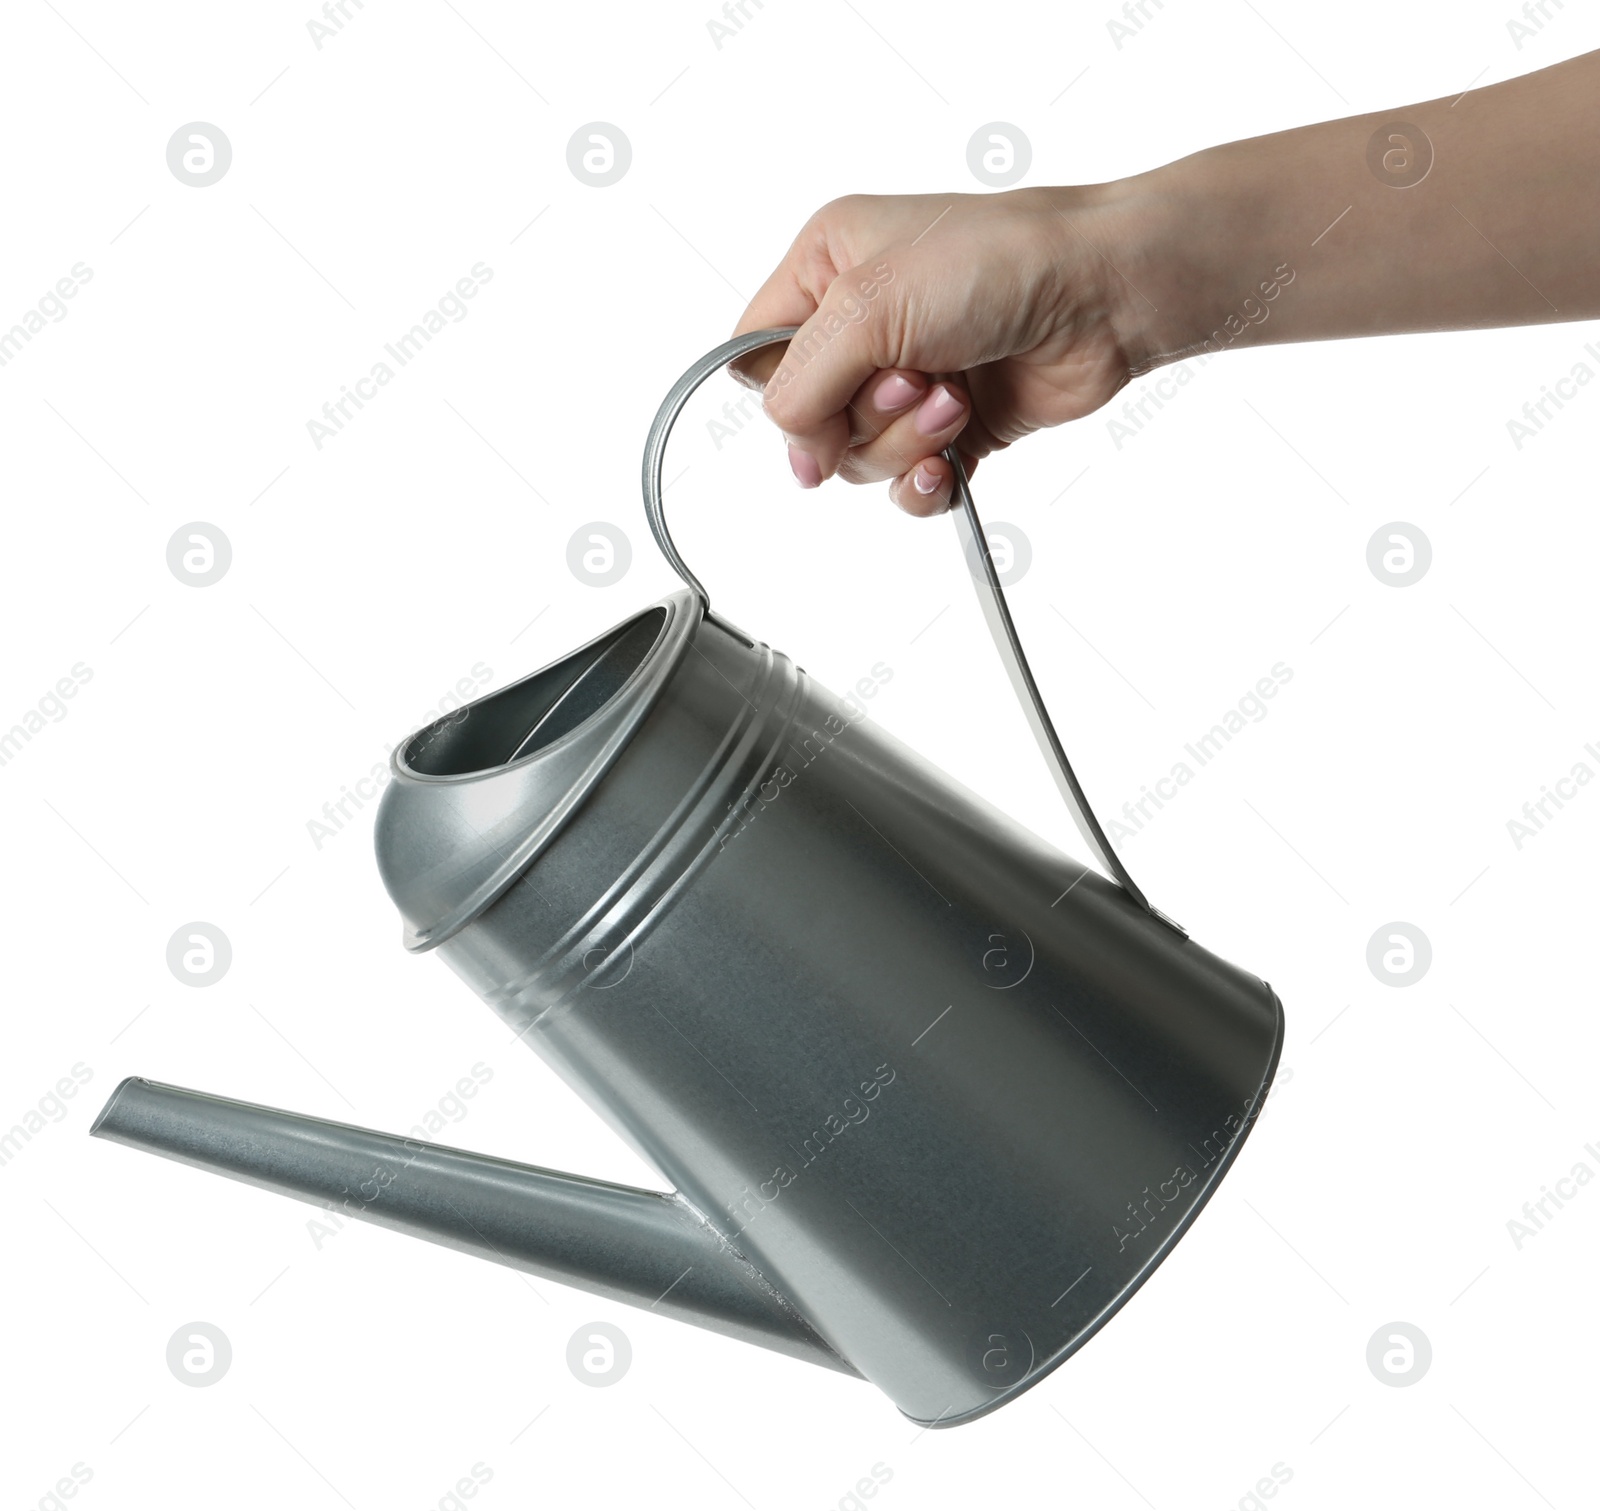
point(939, 1083)
point(949, 1094)
point(638, 1247)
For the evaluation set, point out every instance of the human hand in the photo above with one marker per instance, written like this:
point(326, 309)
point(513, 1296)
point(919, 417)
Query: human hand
point(927, 319)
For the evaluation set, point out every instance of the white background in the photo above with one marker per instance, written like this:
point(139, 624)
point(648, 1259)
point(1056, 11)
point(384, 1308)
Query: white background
point(369, 576)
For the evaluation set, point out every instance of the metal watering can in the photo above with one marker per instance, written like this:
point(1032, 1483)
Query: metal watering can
point(935, 1099)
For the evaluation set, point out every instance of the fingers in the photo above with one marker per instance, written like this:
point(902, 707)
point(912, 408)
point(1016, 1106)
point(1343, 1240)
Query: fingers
point(840, 392)
point(885, 426)
point(790, 296)
point(929, 486)
point(849, 338)
point(888, 442)
point(900, 423)
point(887, 393)
point(782, 300)
point(838, 258)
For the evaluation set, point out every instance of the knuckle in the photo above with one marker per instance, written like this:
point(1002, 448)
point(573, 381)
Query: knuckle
point(845, 208)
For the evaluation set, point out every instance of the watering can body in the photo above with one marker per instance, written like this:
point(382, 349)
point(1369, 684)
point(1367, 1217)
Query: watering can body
point(934, 1099)
point(950, 1092)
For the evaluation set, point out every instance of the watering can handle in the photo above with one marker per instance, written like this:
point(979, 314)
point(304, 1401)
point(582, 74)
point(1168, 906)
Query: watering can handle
point(991, 596)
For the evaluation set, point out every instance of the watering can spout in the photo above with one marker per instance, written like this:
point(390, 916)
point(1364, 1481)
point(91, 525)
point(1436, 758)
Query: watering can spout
point(645, 1248)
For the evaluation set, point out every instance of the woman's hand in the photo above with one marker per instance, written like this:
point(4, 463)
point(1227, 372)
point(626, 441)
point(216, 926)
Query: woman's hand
point(924, 318)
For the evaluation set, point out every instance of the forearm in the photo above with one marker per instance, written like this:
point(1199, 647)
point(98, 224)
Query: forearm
point(1503, 229)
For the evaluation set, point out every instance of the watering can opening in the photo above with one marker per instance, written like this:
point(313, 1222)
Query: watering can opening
point(537, 711)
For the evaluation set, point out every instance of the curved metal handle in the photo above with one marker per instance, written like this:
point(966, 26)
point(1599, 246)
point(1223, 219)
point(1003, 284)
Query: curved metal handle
point(975, 546)
point(655, 444)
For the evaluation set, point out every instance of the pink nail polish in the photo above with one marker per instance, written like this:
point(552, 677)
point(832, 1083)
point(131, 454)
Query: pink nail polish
point(923, 480)
point(940, 410)
point(895, 392)
point(806, 471)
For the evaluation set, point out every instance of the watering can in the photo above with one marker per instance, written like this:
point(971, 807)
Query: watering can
point(933, 1099)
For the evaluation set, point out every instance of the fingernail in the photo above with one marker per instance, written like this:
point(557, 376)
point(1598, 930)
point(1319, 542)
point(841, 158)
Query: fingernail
point(923, 480)
point(895, 392)
point(939, 411)
point(806, 471)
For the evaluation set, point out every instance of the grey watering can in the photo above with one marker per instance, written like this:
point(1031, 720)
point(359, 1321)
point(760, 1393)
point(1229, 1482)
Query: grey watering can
point(933, 1099)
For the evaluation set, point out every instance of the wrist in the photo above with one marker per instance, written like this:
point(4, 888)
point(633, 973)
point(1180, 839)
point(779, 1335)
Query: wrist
point(1166, 242)
point(1098, 251)
point(1199, 263)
